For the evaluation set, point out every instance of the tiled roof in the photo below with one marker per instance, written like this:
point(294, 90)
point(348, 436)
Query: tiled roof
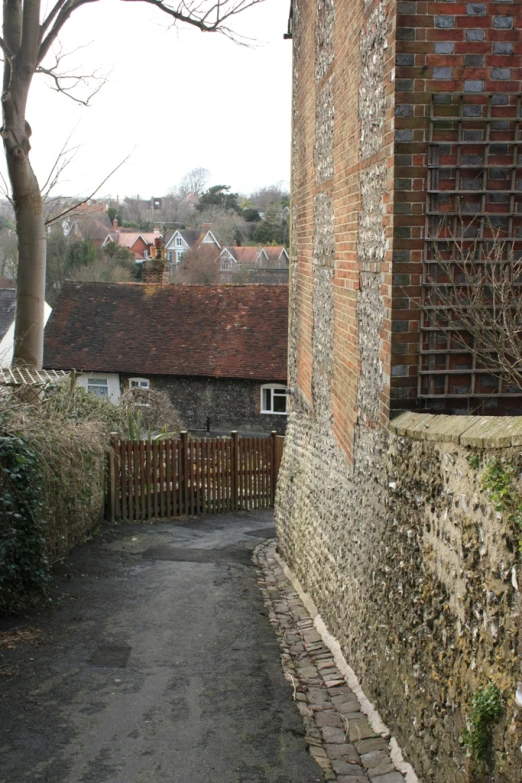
point(190, 236)
point(245, 255)
point(218, 331)
point(7, 309)
point(274, 251)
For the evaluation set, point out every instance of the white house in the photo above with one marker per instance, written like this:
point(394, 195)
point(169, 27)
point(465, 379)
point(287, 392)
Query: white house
point(7, 316)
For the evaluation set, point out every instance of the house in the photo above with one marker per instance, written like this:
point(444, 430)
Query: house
point(179, 242)
point(140, 243)
point(235, 260)
point(277, 256)
point(7, 324)
point(266, 265)
point(218, 351)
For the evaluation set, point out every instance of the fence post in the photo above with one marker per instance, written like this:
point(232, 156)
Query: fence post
point(274, 470)
point(183, 489)
point(233, 459)
point(112, 476)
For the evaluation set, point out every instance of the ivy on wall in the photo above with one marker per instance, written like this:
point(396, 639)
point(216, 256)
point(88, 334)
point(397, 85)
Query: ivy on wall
point(24, 566)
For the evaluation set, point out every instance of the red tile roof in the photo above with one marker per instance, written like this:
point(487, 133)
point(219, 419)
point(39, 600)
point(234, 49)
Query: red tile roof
point(274, 251)
point(218, 331)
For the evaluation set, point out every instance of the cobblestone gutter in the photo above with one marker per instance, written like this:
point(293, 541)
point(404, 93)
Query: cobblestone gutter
point(344, 734)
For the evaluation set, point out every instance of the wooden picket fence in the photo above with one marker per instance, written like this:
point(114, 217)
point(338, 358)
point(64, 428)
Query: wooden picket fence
point(171, 477)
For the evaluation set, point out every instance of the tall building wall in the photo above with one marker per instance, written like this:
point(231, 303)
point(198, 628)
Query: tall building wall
point(367, 74)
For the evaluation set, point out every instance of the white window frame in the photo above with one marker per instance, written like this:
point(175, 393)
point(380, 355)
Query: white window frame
point(179, 242)
point(280, 391)
point(179, 257)
point(139, 383)
point(146, 253)
point(95, 384)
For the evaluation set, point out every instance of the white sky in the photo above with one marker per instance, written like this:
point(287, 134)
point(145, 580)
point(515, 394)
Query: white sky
point(176, 98)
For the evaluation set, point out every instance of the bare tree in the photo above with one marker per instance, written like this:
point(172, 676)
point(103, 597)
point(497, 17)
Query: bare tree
point(28, 42)
point(473, 300)
point(200, 265)
point(194, 182)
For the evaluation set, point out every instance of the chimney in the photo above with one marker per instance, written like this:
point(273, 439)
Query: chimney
point(115, 226)
point(156, 271)
point(206, 227)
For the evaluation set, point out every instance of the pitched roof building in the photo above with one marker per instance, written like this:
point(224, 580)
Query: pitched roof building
point(219, 351)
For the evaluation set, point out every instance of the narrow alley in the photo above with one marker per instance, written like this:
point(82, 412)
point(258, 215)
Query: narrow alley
point(158, 665)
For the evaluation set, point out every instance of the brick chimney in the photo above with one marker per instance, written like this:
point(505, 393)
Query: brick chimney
point(115, 225)
point(156, 271)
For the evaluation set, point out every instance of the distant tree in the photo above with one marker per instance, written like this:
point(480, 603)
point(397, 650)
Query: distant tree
point(80, 252)
point(276, 194)
point(118, 254)
point(194, 182)
point(219, 196)
point(251, 215)
point(227, 226)
point(270, 230)
point(113, 213)
point(82, 260)
point(198, 266)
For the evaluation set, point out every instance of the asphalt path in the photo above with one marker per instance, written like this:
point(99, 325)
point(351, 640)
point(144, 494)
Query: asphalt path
point(158, 665)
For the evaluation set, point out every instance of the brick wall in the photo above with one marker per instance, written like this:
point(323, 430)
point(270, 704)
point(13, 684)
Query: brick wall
point(363, 79)
point(442, 48)
point(231, 404)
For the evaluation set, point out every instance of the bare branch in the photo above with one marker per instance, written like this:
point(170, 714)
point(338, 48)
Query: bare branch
point(52, 14)
point(474, 300)
point(68, 82)
point(78, 204)
point(209, 16)
point(64, 13)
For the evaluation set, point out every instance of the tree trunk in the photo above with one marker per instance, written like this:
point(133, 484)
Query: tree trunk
point(21, 28)
point(30, 289)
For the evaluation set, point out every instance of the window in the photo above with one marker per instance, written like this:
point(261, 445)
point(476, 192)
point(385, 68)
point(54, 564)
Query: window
point(226, 263)
point(139, 383)
point(179, 257)
point(98, 386)
point(169, 256)
point(179, 242)
point(145, 253)
point(226, 279)
point(273, 398)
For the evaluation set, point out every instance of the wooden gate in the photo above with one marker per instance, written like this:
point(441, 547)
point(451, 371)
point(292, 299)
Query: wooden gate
point(167, 478)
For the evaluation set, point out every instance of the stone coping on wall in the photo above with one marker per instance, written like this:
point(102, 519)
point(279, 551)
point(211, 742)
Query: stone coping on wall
point(478, 431)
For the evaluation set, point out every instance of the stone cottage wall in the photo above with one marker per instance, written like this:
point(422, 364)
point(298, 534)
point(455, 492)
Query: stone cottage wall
point(417, 572)
point(231, 404)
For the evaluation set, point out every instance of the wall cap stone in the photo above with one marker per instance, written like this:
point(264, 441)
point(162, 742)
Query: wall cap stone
point(481, 432)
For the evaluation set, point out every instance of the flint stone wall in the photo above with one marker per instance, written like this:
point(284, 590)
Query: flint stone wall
point(414, 571)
